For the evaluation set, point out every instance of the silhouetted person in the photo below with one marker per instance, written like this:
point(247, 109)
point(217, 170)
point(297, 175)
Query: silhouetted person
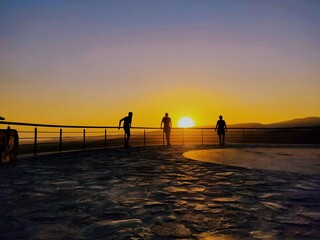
point(9, 143)
point(222, 128)
point(126, 127)
point(166, 121)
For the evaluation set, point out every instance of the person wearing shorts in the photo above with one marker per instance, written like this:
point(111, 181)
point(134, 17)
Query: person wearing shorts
point(167, 125)
point(126, 127)
point(222, 128)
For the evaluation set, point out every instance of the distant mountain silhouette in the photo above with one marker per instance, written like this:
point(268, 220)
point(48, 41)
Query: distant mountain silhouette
point(299, 122)
point(246, 125)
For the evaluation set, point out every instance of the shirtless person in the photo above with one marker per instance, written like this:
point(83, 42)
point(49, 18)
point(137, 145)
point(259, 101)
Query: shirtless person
point(222, 128)
point(166, 121)
point(126, 127)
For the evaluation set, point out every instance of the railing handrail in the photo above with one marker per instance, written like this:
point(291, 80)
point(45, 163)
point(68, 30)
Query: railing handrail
point(51, 125)
point(241, 135)
point(105, 127)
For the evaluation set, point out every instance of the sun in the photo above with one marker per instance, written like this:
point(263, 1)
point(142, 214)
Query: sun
point(185, 122)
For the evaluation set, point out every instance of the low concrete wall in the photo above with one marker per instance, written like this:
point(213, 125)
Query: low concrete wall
point(9, 144)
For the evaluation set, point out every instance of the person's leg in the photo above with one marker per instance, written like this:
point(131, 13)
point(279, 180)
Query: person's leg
point(223, 136)
point(220, 139)
point(127, 137)
point(127, 142)
point(168, 138)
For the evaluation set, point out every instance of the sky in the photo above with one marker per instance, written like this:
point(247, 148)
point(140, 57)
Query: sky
point(82, 62)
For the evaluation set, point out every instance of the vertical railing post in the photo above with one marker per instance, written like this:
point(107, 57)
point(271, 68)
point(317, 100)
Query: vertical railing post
point(35, 141)
point(182, 136)
point(144, 137)
point(105, 138)
point(202, 136)
point(60, 141)
point(266, 140)
point(290, 136)
point(163, 138)
point(84, 139)
point(243, 141)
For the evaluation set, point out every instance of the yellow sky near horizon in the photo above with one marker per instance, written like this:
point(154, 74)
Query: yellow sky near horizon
point(202, 106)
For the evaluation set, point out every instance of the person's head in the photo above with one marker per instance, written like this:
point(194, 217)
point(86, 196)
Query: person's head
point(220, 117)
point(130, 114)
point(166, 114)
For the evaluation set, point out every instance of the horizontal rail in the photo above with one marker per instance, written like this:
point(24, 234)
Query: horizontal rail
point(116, 127)
point(42, 138)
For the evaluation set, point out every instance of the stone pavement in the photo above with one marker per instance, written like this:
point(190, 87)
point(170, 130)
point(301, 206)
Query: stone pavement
point(289, 159)
point(153, 193)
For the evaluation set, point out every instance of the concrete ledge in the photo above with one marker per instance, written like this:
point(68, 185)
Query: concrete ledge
point(299, 160)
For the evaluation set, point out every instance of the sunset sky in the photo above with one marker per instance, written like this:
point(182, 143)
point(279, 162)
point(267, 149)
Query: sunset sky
point(86, 62)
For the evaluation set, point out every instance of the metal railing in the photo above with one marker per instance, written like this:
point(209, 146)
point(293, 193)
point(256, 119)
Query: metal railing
point(37, 138)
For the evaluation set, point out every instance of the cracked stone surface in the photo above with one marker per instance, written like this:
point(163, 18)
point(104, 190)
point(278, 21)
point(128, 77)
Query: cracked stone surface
point(153, 193)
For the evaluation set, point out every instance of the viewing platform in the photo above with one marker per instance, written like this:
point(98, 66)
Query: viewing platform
point(159, 192)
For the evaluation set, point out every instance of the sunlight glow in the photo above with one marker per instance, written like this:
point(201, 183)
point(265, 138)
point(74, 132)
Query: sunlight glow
point(185, 122)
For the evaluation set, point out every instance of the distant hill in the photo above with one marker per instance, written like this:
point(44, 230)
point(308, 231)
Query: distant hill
point(299, 122)
point(246, 125)
point(236, 125)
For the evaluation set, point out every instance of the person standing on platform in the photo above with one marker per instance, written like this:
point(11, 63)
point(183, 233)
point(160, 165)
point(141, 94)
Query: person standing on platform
point(167, 125)
point(222, 128)
point(126, 127)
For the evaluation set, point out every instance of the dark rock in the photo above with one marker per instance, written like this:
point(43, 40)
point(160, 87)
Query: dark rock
point(171, 229)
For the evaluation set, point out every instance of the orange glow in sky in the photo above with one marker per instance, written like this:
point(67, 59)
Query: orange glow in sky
point(91, 62)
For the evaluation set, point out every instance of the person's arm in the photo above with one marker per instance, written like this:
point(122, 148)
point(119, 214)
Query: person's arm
point(217, 126)
point(225, 125)
point(161, 124)
point(120, 123)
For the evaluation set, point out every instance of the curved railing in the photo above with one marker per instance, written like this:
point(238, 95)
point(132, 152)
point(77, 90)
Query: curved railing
point(38, 138)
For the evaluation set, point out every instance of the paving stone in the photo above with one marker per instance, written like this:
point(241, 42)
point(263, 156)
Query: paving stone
point(174, 230)
point(153, 193)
